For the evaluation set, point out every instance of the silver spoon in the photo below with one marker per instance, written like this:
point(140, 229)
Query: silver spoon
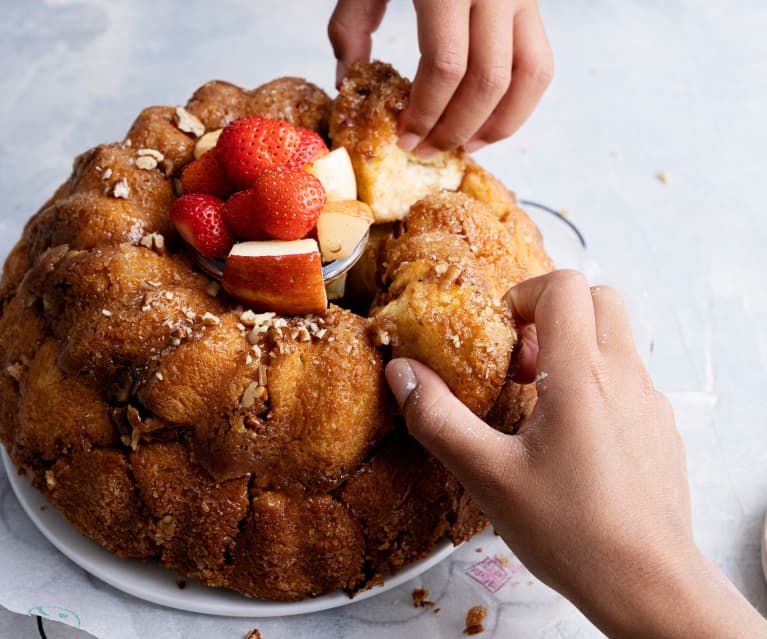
point(214, 267)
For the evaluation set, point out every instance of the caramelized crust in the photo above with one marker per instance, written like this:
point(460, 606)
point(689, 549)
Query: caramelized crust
point(195, 528)
point(47, 391)
point(405, 502)
point(109, 511)
point(442, 281)
point(155, 128)
point(118, 307)
point(364, 120)
point(484, 187)
point(293, 546)
point(257, 452)
point(149, 190)
point(294, 100)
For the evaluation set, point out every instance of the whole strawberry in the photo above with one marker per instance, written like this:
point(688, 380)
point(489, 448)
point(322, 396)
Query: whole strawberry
point(283, 204)
point(241, 216)
point(310, 147)
point(198, 220)
point(206, 175)
point(249, 146)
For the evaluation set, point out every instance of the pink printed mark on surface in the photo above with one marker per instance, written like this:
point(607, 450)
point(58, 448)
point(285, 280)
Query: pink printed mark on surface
point(490, 573)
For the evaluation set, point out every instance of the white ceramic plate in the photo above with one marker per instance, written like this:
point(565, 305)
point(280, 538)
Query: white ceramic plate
point(149, 581)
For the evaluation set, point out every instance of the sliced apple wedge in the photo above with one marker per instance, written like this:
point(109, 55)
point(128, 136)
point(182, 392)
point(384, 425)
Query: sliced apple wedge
point(340, 227)
point(284, 277)
point(336, 173)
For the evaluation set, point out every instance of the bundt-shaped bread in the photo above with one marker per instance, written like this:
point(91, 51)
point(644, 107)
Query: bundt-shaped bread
point(248, 450)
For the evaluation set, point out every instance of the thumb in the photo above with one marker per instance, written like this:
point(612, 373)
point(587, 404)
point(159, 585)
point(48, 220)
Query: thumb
point(475, 453)
point(350, 29)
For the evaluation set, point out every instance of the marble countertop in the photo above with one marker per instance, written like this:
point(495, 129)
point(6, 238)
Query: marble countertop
point(641, 88)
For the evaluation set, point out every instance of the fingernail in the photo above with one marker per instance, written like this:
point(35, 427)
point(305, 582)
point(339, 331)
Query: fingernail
point(425, 151)
point(474, 145)
point(401, 378)
point(340, 73)
point(408, 141)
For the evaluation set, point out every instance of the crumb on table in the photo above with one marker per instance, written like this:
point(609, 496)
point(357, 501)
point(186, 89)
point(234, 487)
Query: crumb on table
point(420, 598)
point(474, 619)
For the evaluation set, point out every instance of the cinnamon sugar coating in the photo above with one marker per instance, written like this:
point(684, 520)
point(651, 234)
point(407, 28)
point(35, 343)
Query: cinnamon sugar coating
point(251, 451)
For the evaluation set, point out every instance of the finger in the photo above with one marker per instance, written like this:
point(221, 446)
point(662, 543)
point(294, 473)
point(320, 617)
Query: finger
point(487, 77)
point(613, 327)
point(531, 73)
point(350, 29)
point(443, 39)
point(526, 357)
point(559, 304)
point(469, 448)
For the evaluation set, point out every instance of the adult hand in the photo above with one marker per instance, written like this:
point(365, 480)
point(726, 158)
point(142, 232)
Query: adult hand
point(484, 66)
point(591, 494)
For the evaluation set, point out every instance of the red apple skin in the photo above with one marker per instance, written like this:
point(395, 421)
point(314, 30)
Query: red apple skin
point(285, 284)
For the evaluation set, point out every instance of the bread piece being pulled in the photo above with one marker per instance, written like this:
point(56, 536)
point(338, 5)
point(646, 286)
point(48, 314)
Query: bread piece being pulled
point(364, 120)
point(441, 301)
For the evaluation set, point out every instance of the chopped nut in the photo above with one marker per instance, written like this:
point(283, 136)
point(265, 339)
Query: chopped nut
point(128, 142)
point(154, 241)
point(152, 153)
point(381, 337)
point(15, 371)
point(159, 376)
point(257, 351)
point(121, 189)
point(106, 174)
point(210, 320)
point(50, 479)
point(188, 123)
point(664, 177)
point(249, 396)
point(249, 318)
point(213, 288)
point(248, 359)
point(146, 163)
point(168, 295)
point(253, 336)
point(262, 375)
point(241, 327)
point(261, 392)
point(206, 143)
point(440, 269)
point(321, 333)
point(456, 341)
point(262, 318)
point(106, 313)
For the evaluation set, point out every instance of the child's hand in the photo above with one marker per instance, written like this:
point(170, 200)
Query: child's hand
point(484, 66)
point(591, 494)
